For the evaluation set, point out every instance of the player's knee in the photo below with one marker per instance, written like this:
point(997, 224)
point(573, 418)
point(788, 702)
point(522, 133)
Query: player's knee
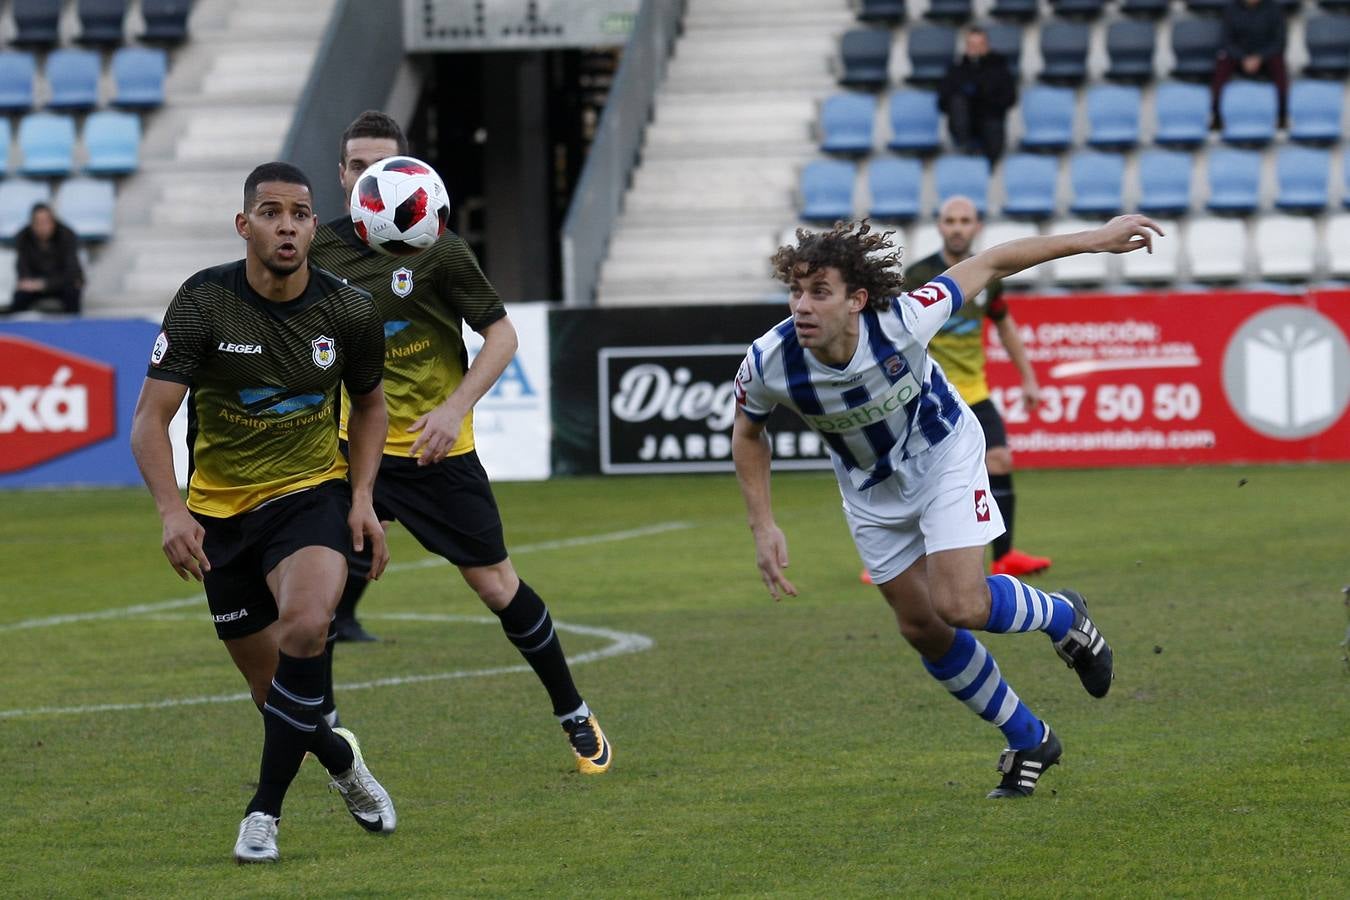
point(495, 585)
point(304, 631)
point(963, 608)
point(998, 460)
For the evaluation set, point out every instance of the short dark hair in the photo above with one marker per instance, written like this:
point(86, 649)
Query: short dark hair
point(373, 124)
point(866, 260)
point(272, 171)
point(39, 207)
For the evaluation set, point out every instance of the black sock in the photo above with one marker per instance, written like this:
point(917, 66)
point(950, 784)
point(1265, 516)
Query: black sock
point(290, 719)
point(332, 751)
point(1002, 488)
point(329, 704)
point(529, 626)
point(356, 586)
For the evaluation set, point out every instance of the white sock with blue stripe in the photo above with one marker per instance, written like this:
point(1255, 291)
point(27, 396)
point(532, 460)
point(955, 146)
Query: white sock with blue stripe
point(969, 672)
point(1014, 606)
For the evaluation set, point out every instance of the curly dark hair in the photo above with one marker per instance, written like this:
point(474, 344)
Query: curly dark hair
point(866, 259)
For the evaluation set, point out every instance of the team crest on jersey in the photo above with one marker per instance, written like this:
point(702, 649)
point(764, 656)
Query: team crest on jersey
point(161, 347)
point(893, 366)
point(325, 351)
point(401, 282)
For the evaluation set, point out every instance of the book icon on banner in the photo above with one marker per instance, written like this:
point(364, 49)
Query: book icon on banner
point(1289, 376)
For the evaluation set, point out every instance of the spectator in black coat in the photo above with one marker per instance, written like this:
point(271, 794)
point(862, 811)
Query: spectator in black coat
point(48, 263)
point(1253, 42)
point(976, 94)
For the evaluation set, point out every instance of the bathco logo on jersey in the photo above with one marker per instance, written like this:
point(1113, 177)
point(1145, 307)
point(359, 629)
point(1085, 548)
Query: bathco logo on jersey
point(51, 403)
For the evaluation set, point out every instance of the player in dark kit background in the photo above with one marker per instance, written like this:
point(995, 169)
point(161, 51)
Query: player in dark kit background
point(430, 477)
point(263, 345)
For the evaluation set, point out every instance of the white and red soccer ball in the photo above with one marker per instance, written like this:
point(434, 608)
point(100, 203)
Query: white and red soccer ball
point(399, 206)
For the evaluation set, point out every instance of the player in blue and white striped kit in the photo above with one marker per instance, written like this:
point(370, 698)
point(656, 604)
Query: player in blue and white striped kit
point(852, 361)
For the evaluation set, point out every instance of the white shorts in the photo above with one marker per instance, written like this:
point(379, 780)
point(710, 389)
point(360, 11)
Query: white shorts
point(938, 500)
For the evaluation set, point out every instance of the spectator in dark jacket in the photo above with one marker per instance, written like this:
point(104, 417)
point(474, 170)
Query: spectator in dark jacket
point(976, 94)
point(1253, 42)
point(48, 263)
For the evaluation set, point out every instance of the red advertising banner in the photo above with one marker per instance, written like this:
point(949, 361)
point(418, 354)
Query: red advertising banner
point(52, 402)
point(1178, 379)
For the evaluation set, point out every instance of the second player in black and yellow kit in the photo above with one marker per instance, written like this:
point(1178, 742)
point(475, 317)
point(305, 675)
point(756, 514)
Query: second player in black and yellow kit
point(261, 348)
point(430, 477)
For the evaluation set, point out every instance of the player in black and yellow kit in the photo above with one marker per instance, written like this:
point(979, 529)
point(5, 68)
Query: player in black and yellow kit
point(261, 347)
point(430, 478)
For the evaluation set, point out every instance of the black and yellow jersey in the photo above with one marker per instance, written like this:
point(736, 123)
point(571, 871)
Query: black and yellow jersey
point(424, 301)
point(959, 346)
point(263, 379)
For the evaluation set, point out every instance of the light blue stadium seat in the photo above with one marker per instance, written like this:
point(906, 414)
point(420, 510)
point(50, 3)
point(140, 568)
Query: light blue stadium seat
point(1113, 116)
point(112, 141)
point(1047, 118)
point(1029, 185)
point(1315, 111)
point(1182, 111)
point(1097, 182)
point(1064, 47)
point(46, 144)
point(827, 190)
point(73, 77)
point(931, 50)
point(87, 206)
point(895, 184)
point(18, 70)
point(965, 175)
point(1302, 174)
point(864, 57)
point(914, 121)
point(1164, 183)
point(1234, 180)
point(17, 196)
point(1248, 111)
point(138, 77)
point(846, 123)
point(6, 135)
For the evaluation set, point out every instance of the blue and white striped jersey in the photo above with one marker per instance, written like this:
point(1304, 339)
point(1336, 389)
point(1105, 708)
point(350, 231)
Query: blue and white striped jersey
point(889, 403)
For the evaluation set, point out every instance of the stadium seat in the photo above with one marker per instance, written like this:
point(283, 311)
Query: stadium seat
point(1096, 183)
point(1207, 7)
point(1078, 9)
point(101, 21)
point(1064, 47)
point(1234, 181)
point(914, 121)
point(1017, 10)
point(46, 144)
point(86, 205)
point(1335, 5)
point(864, 55)
point(846, 123)
point(1217, 249)
point(1113, 116)
point(112, 142)
point(1183, 114)
point(1248, 111)
point(996, 233)
point(6, 135)
point(18, 70)
point(931, 50)
point(1130, 46)
point(1315, 111)
point(1286, 247)
point(1084, 268)
point(138, 77)
point(1030, 182)
point(73, 78)
point(36, 22)
point(1338, 246)
point(1302, 174)
point(1163, 265)
point(1047, 118)
point(827, 191)
point(895, 184)
point(1345, 176)
point(1195, 44)
point(1145, 9)
point(1328, 39)
point(889, 11)
point(1005, 39)
point(1165, 183)
point(166, 21)
point(17, 196)
point(965, 175)
point(948, 10)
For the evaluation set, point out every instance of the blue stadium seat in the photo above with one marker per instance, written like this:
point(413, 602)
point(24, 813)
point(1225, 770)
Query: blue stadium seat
point(1234, 180)
point(846, 123)
point(6, 135)
point(1328, 39)
point(17, 196)
point(965, 175)
point(895, 184)
point(1029, 185)
point(1130, 46)
point(1195, 44)
point(87, 206)
point(864, 55)
point(37, 22)
point(1047, 118)
point(166, 21)
point(1005, 38)
point(1207, 7)
point(18, 71)
point(914, 121)
point(73, 77)
point(1183, 114)
point(1302, 174)
point(1345, 177)
point(1113, 116)
point(46, 144)
point(101, 21)
point(112, 142)
point(1165, 183)
point(931, 50)
point(827, 190)
point(1064, 47)
point(880, 11)
point(1017, 10)
point(1145, 9)
point(138, 77)
point(948, 10)
point(1078, 9)
point(1315, 111)
point(1248, 111)
point(1097, 183)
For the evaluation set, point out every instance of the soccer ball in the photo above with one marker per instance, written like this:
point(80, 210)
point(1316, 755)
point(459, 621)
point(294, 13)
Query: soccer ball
point(399, 206)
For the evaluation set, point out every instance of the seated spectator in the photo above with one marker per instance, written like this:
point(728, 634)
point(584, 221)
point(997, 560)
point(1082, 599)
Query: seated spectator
point(1253, 41)
point(976, 94)
point(47, 262)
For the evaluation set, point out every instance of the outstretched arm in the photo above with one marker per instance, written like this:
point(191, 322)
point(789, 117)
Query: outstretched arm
point(750, 450)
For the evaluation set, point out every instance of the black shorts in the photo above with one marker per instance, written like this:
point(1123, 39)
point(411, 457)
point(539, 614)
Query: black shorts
point(243, 549)
point(992, 424)
point(448, 506)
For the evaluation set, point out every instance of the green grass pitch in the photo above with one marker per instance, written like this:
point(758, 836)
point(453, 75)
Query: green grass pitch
point(761, 749)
